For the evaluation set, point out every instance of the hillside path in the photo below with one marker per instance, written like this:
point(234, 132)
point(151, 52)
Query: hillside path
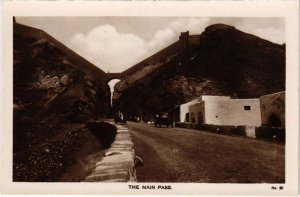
point(186, 155)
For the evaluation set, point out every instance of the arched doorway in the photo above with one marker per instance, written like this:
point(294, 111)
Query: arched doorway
point(112, 84)
point(193, 119)
point(187, 117)
point(274, 121)
point(200, 117)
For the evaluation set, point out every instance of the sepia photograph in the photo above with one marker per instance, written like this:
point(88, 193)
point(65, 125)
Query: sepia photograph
point(150, 102)
point(150, 99)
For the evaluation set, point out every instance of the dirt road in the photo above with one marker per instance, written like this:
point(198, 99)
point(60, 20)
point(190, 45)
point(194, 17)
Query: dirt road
point(185, 155)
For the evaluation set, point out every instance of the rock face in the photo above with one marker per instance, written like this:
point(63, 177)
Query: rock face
point(141, 70)
point(51, 82)
point(52, 85)
point(220, 61)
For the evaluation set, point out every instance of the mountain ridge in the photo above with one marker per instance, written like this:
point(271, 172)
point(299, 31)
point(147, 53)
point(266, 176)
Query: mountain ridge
point(226, 61)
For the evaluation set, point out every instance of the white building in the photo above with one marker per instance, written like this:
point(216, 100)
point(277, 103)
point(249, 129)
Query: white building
point(184, 115)
point(226, 111)
point(184, 110)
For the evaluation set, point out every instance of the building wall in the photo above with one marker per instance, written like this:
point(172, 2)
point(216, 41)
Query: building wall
point(214, 98)
point(184, 108)
point(273, 104)
point(196, 113)
point(233, 112)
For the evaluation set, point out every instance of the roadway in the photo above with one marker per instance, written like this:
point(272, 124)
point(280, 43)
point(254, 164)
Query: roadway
point(186, 155)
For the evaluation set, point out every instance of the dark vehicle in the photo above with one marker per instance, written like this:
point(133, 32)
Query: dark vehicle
point(162, 120)
point(120, 118)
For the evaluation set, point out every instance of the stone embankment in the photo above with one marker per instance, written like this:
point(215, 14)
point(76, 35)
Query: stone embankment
point(118, 163)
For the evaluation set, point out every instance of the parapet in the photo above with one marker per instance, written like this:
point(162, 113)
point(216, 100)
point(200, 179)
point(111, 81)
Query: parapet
point(184, 35)
point(184, 38)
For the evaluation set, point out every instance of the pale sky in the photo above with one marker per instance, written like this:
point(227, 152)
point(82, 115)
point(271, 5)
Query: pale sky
point(116, 43)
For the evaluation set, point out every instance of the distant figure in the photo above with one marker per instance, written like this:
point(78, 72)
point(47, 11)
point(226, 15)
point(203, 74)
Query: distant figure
point(156, 120)
point(119, 117)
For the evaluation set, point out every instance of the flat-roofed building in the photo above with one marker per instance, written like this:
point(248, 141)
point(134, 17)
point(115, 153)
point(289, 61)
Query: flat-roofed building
point(231, 112)
point(184, 115)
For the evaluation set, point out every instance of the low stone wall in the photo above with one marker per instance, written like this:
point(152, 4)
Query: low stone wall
point(118, 163)
point(276, 133)
point(228, 130)
point(182, 124)
point(272, 133)
point(104, 131)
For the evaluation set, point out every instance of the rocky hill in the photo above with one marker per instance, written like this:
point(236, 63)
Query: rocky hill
point(52, 86)
point(223, 61)
point(142, 69)
point(52, 82)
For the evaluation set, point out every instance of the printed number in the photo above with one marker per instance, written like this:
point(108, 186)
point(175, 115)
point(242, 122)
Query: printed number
point(275, 187)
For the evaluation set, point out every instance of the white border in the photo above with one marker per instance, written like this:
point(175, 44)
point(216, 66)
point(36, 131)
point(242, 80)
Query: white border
point(289, 10)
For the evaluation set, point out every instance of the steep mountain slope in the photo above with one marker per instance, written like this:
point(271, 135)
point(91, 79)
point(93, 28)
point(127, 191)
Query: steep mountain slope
point(139, 71)
point(46, 73)
point(225, 61)
point(52, 86)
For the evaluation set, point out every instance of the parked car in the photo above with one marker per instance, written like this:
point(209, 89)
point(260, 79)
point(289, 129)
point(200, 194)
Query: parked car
point(161, 120)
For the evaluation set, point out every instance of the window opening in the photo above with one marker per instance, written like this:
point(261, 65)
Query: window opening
point(247, 108)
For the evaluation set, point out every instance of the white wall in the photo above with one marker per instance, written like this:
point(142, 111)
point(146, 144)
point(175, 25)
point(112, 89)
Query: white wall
point(214, 98)
point(184, 108)
point(232, 112)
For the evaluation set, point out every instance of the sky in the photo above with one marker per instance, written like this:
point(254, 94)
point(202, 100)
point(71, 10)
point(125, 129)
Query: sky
point(114, 44)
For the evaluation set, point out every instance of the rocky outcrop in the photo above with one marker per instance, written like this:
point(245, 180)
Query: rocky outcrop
point(53, 83)
point(150, 65)
point(224, 61)
point(52, 86)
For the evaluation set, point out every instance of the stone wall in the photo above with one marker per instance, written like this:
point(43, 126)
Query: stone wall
point(267, 133)
point(137, 75)
point(275, 133)
point(118, 164)
point(103, 131)
point(227, 130)
point(273, 105)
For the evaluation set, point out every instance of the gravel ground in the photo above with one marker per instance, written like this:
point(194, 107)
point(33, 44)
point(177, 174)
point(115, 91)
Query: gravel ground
point(186, 155)
point(65, 156)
